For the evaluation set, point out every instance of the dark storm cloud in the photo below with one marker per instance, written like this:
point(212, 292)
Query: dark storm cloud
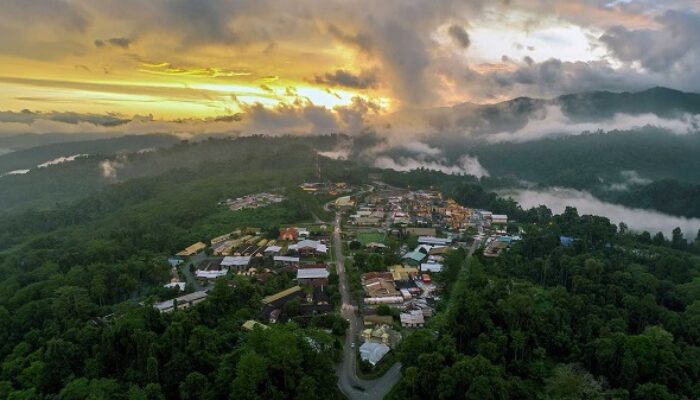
point(459, 35)
point(42, 29)
point(67, 15)
point(206, 20)
point(364, 80)
point(673, 48)
point(554, 77)
point(120, 42)
point(402, 50)
point(359, 40)
point(405, 52)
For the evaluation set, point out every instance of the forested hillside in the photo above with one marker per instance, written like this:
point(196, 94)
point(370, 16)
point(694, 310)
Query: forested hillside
point(27, 140)
point(586, 161)
point(668, 196)
point(65, 268)
point(30, 158)
point(44, 188)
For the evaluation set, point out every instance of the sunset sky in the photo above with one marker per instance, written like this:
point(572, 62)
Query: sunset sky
point(209, 59)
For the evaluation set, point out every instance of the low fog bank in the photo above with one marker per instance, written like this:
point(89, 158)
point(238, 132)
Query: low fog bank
point(557, 199)
point(467, 165)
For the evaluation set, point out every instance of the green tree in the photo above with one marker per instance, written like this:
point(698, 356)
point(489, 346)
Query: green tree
point(251, 375)
point(194, 386)
point(571, 382)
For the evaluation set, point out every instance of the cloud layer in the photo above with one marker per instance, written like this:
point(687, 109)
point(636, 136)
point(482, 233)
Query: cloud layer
point(637, 219)
point(552, 122)
point(413, 52)
point(398, 67)
point(467, 165)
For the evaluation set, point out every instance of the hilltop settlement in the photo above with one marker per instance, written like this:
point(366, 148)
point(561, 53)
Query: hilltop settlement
point(397, 243)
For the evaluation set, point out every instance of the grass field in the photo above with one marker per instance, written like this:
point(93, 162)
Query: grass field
point(369, 237)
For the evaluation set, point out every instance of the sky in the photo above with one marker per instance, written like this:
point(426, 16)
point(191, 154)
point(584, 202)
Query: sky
point(321, 65)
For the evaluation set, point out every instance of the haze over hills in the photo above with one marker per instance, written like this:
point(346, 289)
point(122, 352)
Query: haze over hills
point(631, 141)
point(511, 116)
point(571, 113)
point(31, 156)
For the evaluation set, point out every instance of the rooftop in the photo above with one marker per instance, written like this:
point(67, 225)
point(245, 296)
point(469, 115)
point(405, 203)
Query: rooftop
point(192, 249)
point(312, 273)
point(373, 352)
point(282, 294)
point(415, 256)
point(235, 261)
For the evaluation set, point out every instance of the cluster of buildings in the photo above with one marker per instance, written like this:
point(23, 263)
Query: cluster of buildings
point(406, 208)
point(298, 251)
point(304, 253)
point(429, 223)
point(491, 220)
point(496, 244)
point(247, 252)
point(182, 302)
point(329, 188)
point(309, 298)
point(438, 225)
point(252, 201)
point(421, 212)
point(408, 288)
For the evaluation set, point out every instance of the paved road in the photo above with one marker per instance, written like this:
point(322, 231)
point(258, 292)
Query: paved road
point(348, 382)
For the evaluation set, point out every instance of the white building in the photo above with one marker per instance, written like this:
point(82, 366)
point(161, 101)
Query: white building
point(431, 267)
point(434, 241)
point(211, 274)
point(273, 249)
point(309, 246)
point(285, 260)
point(499, 219)
point(412, 319)
point(373, 352)
point(384, 300)
point(182, 302)
point(237, 262)
point(312, 273)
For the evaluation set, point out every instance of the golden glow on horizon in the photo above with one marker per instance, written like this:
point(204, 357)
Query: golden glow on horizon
point(184, 97)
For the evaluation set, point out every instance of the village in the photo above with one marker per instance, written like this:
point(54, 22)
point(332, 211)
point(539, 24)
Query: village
point(253, 201)
point(395, 243)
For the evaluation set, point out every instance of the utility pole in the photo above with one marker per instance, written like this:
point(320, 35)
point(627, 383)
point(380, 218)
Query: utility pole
point(318, 169)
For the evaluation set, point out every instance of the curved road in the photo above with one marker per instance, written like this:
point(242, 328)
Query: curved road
point(348, 382)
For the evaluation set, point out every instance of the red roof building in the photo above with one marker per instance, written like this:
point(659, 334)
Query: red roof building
point(289, 234)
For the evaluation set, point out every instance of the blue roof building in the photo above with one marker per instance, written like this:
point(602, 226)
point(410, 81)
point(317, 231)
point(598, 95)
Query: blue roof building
point(566, 241)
